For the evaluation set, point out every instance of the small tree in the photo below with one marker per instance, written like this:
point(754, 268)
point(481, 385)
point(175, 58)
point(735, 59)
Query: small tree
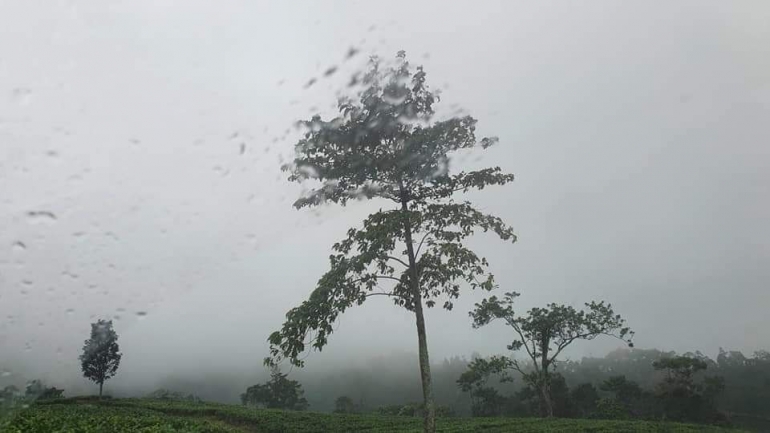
point(345, 404)
point(545, 332)
point(485, 399)
point(387, 145)
point(277, 393)
point(101, 354)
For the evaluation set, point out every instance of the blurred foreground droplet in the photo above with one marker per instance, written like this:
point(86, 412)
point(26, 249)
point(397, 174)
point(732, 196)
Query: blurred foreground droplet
point(41, 216)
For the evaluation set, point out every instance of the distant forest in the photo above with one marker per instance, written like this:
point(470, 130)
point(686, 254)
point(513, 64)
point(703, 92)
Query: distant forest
point(384, 384)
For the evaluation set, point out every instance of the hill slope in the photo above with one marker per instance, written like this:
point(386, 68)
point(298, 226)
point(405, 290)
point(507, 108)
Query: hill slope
point(140, 415)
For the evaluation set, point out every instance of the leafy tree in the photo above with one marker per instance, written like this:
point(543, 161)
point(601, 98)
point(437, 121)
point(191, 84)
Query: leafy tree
point(683, 398)
point(485, 400)
point(277, 393)
point(385, 144)
point(33, 389)
point(545, 332)
point(101, 355)
point(345, 404)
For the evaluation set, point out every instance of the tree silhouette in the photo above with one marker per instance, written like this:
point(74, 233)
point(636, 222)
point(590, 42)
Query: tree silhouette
point(101, 355)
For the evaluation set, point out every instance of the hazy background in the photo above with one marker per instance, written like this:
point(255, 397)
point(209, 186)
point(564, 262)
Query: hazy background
point(140, 145)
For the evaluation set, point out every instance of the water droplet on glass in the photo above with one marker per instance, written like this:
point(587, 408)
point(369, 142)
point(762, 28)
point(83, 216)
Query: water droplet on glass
point(352, 51)
point(141, 314)
point(70, 311)
point(330, 71)
point(310, 82)
point(116, 317)
point(5, 373)
point(19, 246)
point(21, 96)
point(41, 216)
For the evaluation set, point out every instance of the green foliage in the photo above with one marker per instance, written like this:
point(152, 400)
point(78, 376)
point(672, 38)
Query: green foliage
point(164, 394)
point(384, 144)
point(610, 408)
point(155, 416)
point(345, 404)
point(277, 393)
point(101, 354)
point(413, 410)
point(486, 400)
point(683, 398)
point(544, 333)
point(584, 399)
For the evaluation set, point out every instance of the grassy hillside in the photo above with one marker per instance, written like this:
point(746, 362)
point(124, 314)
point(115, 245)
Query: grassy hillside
point(134, 415)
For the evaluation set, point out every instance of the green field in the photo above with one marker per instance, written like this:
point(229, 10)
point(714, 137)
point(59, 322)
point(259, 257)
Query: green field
point(140, 415)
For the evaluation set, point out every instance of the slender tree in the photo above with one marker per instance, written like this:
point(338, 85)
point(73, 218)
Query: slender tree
point(101, 354)
point(545, 332)
point(385, 144)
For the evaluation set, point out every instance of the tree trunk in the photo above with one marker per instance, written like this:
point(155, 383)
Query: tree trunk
point(101, 384)
point(546, 397)
point(422, 341)
point(545, 381)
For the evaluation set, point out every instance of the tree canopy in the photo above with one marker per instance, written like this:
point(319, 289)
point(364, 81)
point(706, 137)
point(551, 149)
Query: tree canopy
point(101, 354)
point(277, 393)
point(544, 333)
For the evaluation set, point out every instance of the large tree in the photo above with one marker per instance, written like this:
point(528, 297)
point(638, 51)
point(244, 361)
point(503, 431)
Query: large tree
point(385, 144)
point(101, 355)
point(544, 333)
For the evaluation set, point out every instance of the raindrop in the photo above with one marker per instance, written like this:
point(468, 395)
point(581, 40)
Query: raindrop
point(116, 317)
point(52, 153)
point(310, 82)
point(42, 215)
point(243, 148)
point(27, 347)
point(141, 314)
point(19, 246)
point(352, 51)
point(70, 311)
point(27, 282)
point(280, 83)
point(72, 275)
point(21, 95)
point(5, 373)
point(330, 71)
point(120, 310)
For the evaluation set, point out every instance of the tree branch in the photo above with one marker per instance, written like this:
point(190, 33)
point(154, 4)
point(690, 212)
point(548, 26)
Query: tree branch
point(398, 260)
point(417, 252)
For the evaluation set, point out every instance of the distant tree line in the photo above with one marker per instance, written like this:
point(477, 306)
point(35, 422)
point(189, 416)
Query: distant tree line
point(627, 383)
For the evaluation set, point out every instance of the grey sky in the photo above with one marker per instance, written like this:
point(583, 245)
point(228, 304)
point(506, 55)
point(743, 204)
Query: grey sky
point(638, 134)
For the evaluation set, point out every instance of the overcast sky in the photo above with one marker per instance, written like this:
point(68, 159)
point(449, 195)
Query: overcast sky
point(140, 146)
